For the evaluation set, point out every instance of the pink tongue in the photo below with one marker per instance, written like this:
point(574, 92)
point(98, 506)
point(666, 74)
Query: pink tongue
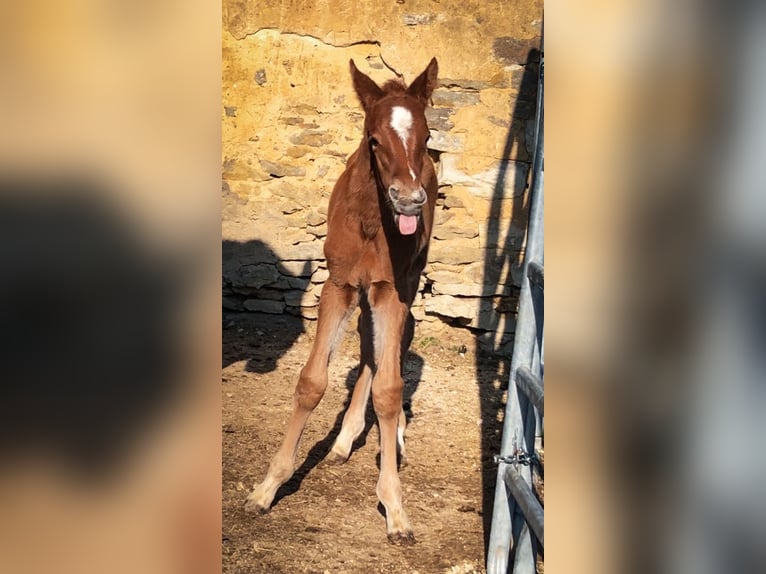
point(408, 224)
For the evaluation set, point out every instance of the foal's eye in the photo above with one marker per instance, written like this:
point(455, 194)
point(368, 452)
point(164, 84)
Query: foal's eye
point(374, 142)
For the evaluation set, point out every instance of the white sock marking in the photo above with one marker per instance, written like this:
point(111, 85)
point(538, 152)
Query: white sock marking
point(401, 121)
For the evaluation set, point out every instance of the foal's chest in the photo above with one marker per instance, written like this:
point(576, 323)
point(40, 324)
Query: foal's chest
point(365, 262)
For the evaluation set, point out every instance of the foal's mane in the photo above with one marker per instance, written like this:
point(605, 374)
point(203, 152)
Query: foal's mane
point(395, 86)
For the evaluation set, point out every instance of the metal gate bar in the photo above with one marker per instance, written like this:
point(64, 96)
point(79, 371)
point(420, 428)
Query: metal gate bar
point(512, 514)
point(532, 386)
point(526, 499)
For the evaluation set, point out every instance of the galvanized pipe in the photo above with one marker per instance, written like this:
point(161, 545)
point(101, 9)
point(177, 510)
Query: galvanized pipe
point(524, 553)
point(536, 274)
point(526, 499)
point(532, 386)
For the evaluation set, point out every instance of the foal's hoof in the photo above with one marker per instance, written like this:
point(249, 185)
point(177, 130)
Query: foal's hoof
point(336, 457)
point(254, 507)
point(402, 538)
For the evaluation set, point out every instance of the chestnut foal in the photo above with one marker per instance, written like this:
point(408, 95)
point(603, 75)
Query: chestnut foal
point(378, 229)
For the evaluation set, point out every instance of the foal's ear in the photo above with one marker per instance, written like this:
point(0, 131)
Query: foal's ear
point(367, 90)
point(425, 83)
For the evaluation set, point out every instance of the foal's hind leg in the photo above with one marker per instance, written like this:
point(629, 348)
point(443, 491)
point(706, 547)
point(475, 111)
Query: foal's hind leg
point(409, 332)
point(353, 420)
point(335, 307)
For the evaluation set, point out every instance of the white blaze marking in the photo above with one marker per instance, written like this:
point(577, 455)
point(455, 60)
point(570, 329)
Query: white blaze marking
point(401, 121)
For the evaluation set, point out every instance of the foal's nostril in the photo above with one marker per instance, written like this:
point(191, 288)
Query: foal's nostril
point(419, 197)
point(393, 191)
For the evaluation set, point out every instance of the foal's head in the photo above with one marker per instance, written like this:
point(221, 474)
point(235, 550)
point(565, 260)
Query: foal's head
point(396, 133)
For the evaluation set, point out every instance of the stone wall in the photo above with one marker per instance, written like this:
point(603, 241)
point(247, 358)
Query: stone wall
point(291, 119)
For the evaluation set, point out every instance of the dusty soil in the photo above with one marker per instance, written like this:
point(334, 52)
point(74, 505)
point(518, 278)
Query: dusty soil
point(326, 518)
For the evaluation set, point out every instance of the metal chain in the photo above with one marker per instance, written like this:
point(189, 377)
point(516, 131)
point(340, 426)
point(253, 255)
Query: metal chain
point(519, 457)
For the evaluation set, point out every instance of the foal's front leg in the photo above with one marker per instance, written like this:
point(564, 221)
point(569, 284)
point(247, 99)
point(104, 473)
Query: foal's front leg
point(335, 308)
point(389, 316)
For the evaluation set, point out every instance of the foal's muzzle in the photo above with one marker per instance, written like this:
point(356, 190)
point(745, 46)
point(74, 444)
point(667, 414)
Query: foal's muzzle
point(407, 202)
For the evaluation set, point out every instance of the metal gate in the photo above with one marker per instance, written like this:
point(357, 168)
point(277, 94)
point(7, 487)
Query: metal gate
point(517, 513)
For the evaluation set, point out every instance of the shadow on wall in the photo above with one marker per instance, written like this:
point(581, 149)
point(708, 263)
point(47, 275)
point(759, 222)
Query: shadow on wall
point(90, 354)
point(493, 359)
point(257, 282)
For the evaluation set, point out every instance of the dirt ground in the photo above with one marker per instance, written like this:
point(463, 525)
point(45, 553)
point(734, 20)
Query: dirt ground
point(326, 518)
